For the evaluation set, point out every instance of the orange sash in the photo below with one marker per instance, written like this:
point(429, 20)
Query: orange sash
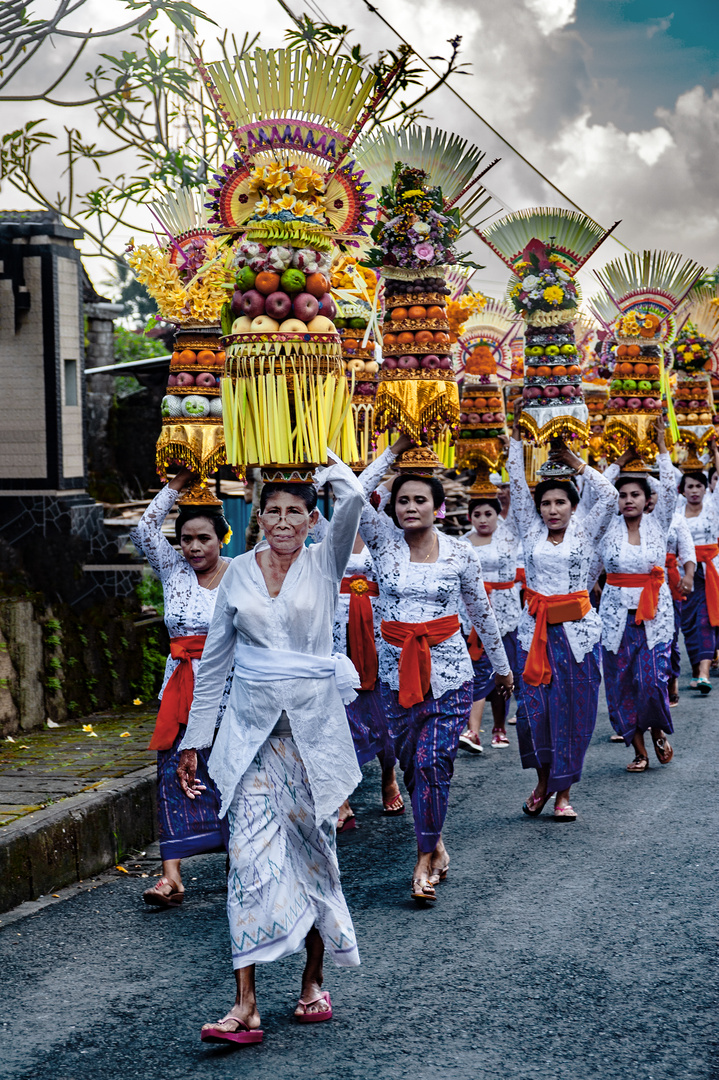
point(521, 577)
point(475, 646)
point(360, 627)
point(177, 695)
point(563, 607)
point(650, 585)
point(415, 661)
point(673, 577)
point(705, 554)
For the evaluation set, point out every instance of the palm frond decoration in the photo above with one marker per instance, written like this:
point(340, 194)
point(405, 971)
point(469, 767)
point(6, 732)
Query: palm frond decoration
point(451, 162)
point(701, 308)
point(283, 85)
point(494, 320)
point(571, 234)
point(654, 280)
point(182, 211)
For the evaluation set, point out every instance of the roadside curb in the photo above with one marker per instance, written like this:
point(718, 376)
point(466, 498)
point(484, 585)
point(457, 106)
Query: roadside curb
point(78, 837)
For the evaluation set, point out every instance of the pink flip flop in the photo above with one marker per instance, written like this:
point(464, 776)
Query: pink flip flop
point(244, 1036)
point(315, 1018)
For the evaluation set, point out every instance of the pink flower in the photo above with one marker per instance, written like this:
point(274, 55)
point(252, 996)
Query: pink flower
point(424, 251)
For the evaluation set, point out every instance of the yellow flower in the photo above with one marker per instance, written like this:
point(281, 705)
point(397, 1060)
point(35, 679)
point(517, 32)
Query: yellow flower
point(125, 735)
point(278, 177)
point(307, 180)
point(300, 208)
point(411, 194)
point(257, 179)
point(227, 537)
point(262, 206)
point(553, 294)
point(287, 202)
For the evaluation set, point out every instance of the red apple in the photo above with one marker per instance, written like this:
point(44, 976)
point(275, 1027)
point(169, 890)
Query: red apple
point(278, 306)
point(185, 379)
point(445, 363)
point(172, 380)
point(205, 378)
point(253, 303)
point(305, 307)
point(236, 303)
point(430, 362)
point(649, 403)
point(634, 403)
point(551, 391)
point(327, 305)
point(530, 393)
point(499, 417)
point(408, 363)
point(567, 391)
point(389, 362)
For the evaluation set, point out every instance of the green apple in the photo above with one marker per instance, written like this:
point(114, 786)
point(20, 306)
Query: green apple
point(356, 324)
point(534, 350)
point(552, 350)
point(568, 350)
point(629, 384)
point(292, 281)
point(246, 279)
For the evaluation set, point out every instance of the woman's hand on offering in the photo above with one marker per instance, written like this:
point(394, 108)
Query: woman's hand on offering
point(401, 444)
point(660, 429)
point(564, 454)
point(181, 479)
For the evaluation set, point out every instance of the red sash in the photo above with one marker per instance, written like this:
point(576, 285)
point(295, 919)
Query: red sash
point(360, 627)
point(475, 646)
point(650, 585)
point(563, 607)
point(415, 661)
point(177, 695)
point(673, 576)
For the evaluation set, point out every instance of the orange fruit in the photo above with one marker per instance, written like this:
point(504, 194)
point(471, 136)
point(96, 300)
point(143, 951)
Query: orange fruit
point(188, 356)
point(389, 339)
point(573, 369)
point(634, 350)
point(220, 358)
point(417, 312)
point(399, 314)
point(206, 356)
point(622, 350)
point(480, 403)
point(267, 282)
point(625, 369)
point(559, 370)
point(423, 337)
point(435, 312)
point(176, 357)
point(542, 372)
point(440, 338)
point(494, 403)
point(640, 369)
point(405, 338)
point(653, 371)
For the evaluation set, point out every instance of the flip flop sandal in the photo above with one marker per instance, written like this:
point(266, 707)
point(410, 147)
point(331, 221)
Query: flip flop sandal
point(348, 823)
point(673, 701)
point(394, 806)
point(437, 875)
point(564, 813)
point(640, 764)
point(211, 1032)
point(316, 1017)
point(693, 684)
point(663, 750)
point(174, 899)
point(420, 893)
point(499, 737)
point(616, 738)
point(705, 686)
point(537, 805)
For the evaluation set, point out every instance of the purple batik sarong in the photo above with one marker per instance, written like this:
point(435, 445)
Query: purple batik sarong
point(426, 738)
point(484, 686)
point(187, 826)
point(675, 656)
point(555, 721)
point(368, 726)
point(635, 682)
point(700, 637)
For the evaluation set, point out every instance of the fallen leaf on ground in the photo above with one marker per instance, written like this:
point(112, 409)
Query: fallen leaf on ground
point(56, 895)
point(23, 746)
point(51, 723)
point(121, 869)
point(9, 739)
point(125, 735)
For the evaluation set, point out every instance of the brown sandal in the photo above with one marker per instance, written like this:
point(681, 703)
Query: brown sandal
point(640, 764)
point(663, 749)
point(158, 899)
point(423, 890)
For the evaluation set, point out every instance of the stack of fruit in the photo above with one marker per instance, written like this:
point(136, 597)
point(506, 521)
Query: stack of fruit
point(636, 383)
point(552, 376)
point(693, 399)
point(415, 335)
point(193, 387)
point(361, 368)
point(282, 290)
point(596, 398)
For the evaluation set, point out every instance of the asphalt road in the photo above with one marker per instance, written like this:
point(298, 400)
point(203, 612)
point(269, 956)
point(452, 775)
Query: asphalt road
point(555, 950)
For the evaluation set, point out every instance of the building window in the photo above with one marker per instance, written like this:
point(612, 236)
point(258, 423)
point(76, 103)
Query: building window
point(71, 382)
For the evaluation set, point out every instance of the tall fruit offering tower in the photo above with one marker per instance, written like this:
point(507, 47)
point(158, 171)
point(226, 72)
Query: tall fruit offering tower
point(429, 188)
point(544, 249)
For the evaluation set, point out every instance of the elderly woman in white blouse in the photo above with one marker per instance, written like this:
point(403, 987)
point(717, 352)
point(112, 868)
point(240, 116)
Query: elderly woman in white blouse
point(283, 759)
point(559, 631)
point(424, 668)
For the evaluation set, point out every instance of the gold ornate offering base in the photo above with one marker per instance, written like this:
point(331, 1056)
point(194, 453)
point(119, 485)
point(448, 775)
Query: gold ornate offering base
point(420, 459)
point(199, 494)
point(483, 488)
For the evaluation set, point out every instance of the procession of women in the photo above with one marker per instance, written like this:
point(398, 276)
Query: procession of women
point(329, 341)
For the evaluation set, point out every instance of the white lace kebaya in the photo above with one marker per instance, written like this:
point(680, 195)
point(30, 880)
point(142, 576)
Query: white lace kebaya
point(188, 606)
point(617, 556)
point(418, 592)
point(704, 528)
point(299, 619)
point(498, 562)
point(555, 570)
point(360, 563)
point(680, 543)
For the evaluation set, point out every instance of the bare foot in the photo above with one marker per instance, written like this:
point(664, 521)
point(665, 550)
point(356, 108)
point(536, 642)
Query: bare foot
point(239, 1018)
point(439, 864)
point(312, 1000)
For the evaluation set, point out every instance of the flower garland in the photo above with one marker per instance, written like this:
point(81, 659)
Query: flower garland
point(692, 350)
point(195, 290)
point(413, 230)
point(543, 283)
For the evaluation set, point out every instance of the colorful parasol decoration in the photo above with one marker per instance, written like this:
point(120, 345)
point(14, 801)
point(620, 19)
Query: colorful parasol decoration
point(545, 248)
point(188, 278)
point(296, 195)
point(641, 296)
point(419, 224)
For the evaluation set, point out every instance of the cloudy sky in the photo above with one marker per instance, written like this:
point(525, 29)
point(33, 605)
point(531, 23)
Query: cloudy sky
point(615, 101)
